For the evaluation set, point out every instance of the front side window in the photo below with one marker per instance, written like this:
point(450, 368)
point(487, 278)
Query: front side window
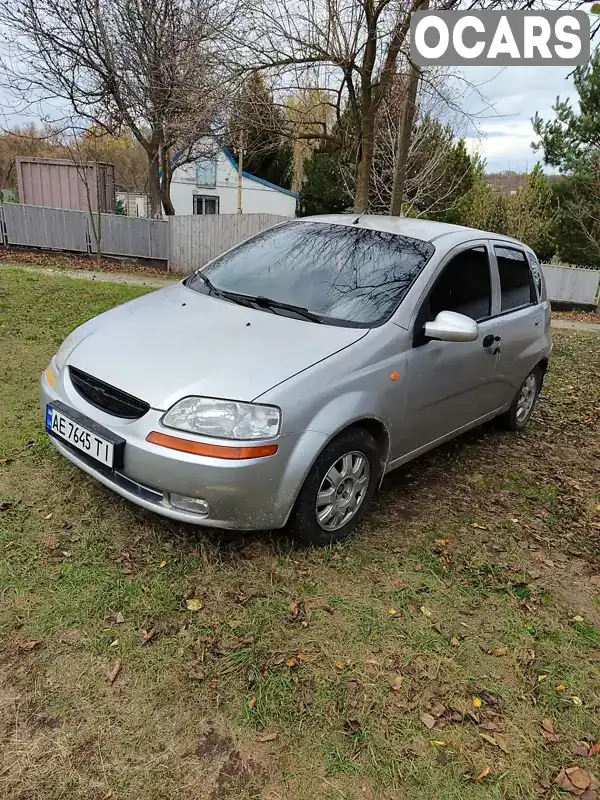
point(345, 274)
point(516, 281)
point(464, 286)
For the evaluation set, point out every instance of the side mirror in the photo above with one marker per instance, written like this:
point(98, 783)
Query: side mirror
point(449, 326)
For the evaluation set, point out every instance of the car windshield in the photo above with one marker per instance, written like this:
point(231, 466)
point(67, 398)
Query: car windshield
point(344, 274)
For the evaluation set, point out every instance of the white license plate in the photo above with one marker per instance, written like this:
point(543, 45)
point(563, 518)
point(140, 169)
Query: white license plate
point(79, 436)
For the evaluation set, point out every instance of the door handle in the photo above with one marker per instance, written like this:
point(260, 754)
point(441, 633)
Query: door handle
point(537, 320)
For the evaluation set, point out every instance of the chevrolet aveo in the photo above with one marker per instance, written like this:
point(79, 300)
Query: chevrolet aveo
point(276, 386)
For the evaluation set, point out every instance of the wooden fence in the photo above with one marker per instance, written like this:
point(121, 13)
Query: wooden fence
point(567, 284)
point(137, 238)
point(195, 240)
point(181, 243)
point(186, 243)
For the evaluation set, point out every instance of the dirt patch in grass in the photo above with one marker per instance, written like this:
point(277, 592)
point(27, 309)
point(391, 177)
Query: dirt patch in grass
point(57, 261)
point(422, 658)
point(578, 316)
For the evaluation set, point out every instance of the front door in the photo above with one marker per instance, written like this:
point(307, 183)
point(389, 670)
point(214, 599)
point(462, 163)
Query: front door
point(451, 384)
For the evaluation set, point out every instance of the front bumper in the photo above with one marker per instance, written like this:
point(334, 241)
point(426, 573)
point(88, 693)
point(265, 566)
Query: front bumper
point(252, 494)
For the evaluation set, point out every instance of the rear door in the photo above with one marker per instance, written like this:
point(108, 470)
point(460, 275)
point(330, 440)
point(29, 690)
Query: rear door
point(451, 384)
point(522, 317)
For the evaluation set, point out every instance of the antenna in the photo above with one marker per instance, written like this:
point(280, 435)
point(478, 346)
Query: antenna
point(364, 211)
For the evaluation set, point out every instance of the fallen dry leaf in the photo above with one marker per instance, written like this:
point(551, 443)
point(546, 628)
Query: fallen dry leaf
point(29, 645)
point(497, 740)
point(482, 775)
point(427, 720)
point(395, 614)
point(547, 730)
point(193, 604)
point(269, 737)
point(48, 516)
point(560, 688)
point(454, 641)
point(339, 664)
point(497, 651)
point(576, 781)
point(114, 671)
point(162, 564)
point(495, 727)
point(303, 657)
point(148, 635)
point(294, 609)
point(477, 702)
point(578, 618)
point(594, 750)
point(577, 701)
point(291, 662)
point(396, 683)
point(425, 611)
point(437, 743)
point(119, 618)
point(252, 702)
point(480, 527)
point(579, 749)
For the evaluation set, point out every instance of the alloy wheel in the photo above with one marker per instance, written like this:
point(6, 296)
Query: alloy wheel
point(342, 490)
point(526, 398)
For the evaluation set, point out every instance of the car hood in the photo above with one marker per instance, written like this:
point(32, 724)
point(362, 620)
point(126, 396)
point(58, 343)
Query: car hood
point(177, 342)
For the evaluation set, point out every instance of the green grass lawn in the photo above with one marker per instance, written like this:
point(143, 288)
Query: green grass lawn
point(403, 663)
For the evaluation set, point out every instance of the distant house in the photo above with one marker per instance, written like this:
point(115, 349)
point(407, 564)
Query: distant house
point(210, 186)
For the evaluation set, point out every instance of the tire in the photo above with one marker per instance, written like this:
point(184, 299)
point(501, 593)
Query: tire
point(355, 457)
point(517, 417)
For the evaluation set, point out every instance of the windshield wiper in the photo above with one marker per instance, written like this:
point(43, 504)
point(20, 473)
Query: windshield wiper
point(263, 302)
point(240, 299)
point(267, 302)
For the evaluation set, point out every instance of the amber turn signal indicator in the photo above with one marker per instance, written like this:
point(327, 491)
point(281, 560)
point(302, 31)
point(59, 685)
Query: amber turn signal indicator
point(50, 376)
point(211, 450)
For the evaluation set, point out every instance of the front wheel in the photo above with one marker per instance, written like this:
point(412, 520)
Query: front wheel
point(337, 491)
point(517, 416)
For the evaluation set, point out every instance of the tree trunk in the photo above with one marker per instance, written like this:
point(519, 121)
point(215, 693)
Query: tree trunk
point(165, 182)
point(365, 165)
point(404, 138)
point(154, 185)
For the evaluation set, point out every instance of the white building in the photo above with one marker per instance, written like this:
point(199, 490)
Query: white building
point(210, 186)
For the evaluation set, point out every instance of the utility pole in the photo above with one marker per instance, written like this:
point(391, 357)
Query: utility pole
point(405, 135)
point(240, 168)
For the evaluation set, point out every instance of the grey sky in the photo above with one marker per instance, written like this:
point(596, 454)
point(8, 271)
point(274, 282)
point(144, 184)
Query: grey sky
point(515, 93)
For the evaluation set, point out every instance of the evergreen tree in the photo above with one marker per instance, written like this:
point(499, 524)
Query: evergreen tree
point(267, 150)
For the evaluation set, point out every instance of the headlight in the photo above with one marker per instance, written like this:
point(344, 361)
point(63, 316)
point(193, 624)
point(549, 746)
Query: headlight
point(224, 419)
point(65, 350)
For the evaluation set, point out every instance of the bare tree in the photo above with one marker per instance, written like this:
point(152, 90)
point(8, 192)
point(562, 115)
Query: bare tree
point(150, 66)
point(354, 47)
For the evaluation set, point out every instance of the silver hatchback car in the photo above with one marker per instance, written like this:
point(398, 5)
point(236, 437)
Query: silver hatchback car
point(276, 386)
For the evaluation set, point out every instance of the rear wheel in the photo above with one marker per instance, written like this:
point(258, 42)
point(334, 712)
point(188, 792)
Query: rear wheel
point(336, 493)
point(517, 416)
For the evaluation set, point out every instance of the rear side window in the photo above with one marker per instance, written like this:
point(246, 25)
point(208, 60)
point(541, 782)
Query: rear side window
point(536, 271)
point(516, 282)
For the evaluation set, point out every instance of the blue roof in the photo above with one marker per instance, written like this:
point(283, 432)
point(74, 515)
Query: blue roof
point(250, 177)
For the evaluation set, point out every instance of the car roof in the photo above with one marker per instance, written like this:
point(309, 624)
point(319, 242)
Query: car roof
point(426, 229)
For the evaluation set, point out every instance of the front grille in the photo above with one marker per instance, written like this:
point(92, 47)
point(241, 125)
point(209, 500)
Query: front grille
point(106, 397)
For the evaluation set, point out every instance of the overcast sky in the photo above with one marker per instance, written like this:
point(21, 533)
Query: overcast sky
point(515, 93)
